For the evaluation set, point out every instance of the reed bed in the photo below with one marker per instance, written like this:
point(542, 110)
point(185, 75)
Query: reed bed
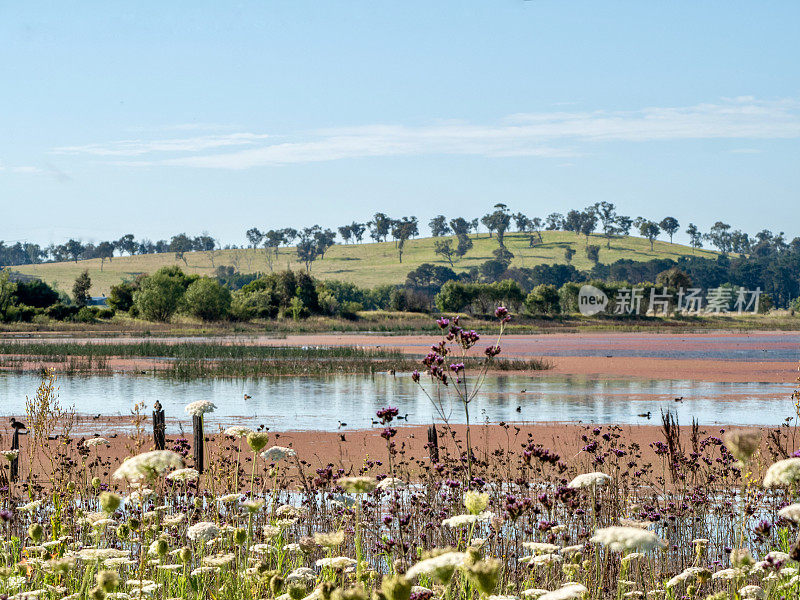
point(207, 360)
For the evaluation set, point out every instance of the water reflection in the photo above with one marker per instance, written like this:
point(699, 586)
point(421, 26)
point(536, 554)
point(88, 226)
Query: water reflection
point(295, 403)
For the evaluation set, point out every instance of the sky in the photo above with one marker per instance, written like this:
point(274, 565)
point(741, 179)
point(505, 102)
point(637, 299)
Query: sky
point(155, 118)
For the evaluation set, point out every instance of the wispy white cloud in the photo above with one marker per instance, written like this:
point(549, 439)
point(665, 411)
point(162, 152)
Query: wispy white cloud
point(545, 134)
point(24, 169)
point(138, 147)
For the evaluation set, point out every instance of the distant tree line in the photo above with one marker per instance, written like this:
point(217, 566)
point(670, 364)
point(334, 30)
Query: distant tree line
point(311, 243)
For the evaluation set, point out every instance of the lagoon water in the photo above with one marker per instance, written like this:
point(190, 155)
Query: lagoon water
point(320, 403)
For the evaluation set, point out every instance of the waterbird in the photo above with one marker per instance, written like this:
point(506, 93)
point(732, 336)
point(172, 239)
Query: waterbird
point(522, 391)
point(403, 418)
point(97, 416)
point(645, 415)
point(341, 436)
point(247, 396)
point(519, 409)
point(18, 425)
point(341, 424)
point(679, 399)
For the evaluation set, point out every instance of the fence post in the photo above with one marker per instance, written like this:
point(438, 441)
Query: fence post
point(13, 474)
point(433, 444)
point(159, 427)
point(197, 447)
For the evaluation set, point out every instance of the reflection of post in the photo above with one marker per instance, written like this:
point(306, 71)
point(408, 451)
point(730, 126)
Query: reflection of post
point(433, 444)
point(197, 423)
point(159, 426)
point(14, 467)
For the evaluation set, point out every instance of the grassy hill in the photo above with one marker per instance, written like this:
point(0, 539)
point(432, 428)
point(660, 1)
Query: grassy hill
point(364, 264)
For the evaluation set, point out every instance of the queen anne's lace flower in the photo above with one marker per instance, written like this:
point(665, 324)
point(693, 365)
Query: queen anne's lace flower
point(148, 465)
point(783, 473)
point(199, 408)
point(589, 480)
point(688, 574)
point(620, 539)
point(278, 453)
point(10, 455)
point(98, 441)
point(218, 560)
point(541, 547)
point(238, 431)
point(460, 521)
point(475, 502)
point(439, 567)
point(790, 513)
point(391, 483)
point(202, 532)
point(566, 592)
point(187, 474)
point(751, 592)
point(336, 562)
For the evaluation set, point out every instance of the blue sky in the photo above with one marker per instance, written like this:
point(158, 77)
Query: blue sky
point(159, 117)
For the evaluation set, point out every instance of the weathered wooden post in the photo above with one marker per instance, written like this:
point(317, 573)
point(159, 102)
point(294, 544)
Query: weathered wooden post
point(199, 439)
point(433, 444)
point(14, 467)
point(159, 427)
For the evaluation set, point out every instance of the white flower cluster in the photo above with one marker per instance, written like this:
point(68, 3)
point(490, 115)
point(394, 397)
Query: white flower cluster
point(148, 465)
point(589, 480)
point(790, 513)
point(431, 566)
point(391, 483)
point(337, 562)
point(202, 532)
point(621, 539)
point(566, 592)
point(199, 408)
point(237, 430)
point(187, 474)
point(278, 453)
point(98, 441)
point(10, 455)
point(783, 473)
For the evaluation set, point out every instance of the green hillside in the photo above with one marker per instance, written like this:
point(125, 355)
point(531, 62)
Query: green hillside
point(364, 264)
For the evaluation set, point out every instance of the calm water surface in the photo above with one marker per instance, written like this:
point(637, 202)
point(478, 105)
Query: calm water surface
point(321, 403)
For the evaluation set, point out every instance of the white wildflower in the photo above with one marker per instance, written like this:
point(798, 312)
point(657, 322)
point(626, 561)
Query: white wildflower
point(542, 559)
point(199, 408)
point(218, 560)
point(205, 571)
point(148, 465)
point(228, 498)
point(688, 574)
point(336, 562)
point(459, 521)
point(97, 441)
point(301, 574)
point(750, 592)
point(438, 565)
point(10, 455)
point(541, 547)
point(30, 506)
point(187, 474)
point(782, 473)
point(238, 431)
point(202, 532)
point(391, 483)
point(533, 593)
point(791, 512)
point(566, 592)
point(278, 453)
point(620, 539)
point(589, 480)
